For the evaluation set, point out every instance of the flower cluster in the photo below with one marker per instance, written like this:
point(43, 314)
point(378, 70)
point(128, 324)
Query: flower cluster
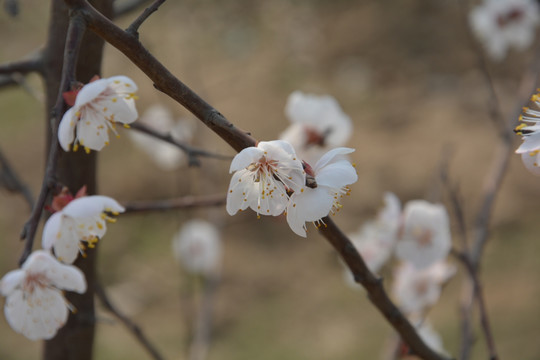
point(271, 179)
point(530, 132)
point(419, 236)
point(502, 24)
point(35, 304)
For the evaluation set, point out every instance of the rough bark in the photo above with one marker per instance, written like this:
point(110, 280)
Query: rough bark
point(75, 340)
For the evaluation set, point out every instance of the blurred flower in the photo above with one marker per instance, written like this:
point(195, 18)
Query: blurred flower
point(35, 305)
point(376, 239)
point(530, 148)
point(501, 24)
point(82, 220)
point(415, 289)
point(197, 247)
point(318, 125)
point(166, 156)
point(99, 105)
point(430, 337)
point(332, 173)
point(424, 237)
point(263, 174)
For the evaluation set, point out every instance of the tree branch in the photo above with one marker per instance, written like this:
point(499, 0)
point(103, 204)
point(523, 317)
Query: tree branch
point(133, 328)
point(133, 29)
point(186, 202)
point(73, 41)
point(12, 183)
point(202, 328)
point(32, 63)
point(122, 8)
point(192, 152)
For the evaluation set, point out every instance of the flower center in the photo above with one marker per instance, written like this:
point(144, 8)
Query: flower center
point(513, 16)
point(424, 237)
point(34, 280)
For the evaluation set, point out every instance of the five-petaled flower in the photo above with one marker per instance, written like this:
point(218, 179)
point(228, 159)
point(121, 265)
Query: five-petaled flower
point(35, 305)
point(332, 174)
point(98, 107)
point(81, 221)
point(424, 237)
point(262, 177)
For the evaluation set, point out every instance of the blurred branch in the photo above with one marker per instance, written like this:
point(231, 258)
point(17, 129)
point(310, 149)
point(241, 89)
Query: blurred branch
point(130, 325)
point(376, 293)
point(122, 8)
point(133, 29)
point(192, 152)
point(202, 329)
point(74, 37)
point(11, 182)
point(32, 63)
point(186, 202)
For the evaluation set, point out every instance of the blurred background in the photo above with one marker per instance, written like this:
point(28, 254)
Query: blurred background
point(405, 72)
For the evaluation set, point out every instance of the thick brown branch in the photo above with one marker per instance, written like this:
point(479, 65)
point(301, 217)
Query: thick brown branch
point(375, 290)
point(73, 40)
point(133, 328)
point(186, 202)
point(192, 152)
point(133, 29)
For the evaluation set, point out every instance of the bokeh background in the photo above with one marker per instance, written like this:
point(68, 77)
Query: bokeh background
point(405, 72)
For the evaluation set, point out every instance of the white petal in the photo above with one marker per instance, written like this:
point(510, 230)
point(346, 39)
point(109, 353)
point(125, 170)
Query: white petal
point(66, 129)
point(51, 230)
point(91, 206)
point(240, 188)
point(272, 146)
point(309, 205)
point(336, 175)
point(11, 281)
point(120, 108)
point(90, 92)
point(274, 200)
point(245, 157)
point(92, 130)
point(67, 277)
point(122, 84)
point(530, 143)
point(66, 242)
point(330, 156)
point(531, 162)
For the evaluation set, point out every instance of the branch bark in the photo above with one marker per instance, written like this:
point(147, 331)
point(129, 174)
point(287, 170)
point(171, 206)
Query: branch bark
point(186, 202)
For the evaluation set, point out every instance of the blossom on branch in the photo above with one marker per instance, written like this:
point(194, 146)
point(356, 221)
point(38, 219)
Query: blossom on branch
point(98, 106)
point(262, 177)
point(80, 224)
point(424, 237)
point(318, 124)
point(197, 247)
point(501, 24)
point(529, 129)
point(332, 174)
point(35, 305)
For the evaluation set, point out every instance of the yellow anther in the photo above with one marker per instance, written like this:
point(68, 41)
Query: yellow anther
point(87, 149)
point(75, 147)
point(118, 136)
point(534, 153)
point(114, 100)
point(258, 217)
point(127, 126)
point(520, 126)
point(106, 143)
point(99, 225)
point(105, 108)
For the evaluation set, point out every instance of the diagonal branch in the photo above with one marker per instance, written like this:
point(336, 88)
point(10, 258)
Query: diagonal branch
point(122, 8)
point(74, 37)
point(12, 183)
point(133, 29)
point(130, 325)
point(32, 63)
point(192, 152)
point(186, 202)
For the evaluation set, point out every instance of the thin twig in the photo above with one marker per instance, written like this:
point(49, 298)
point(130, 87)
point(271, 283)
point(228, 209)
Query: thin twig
point(192, 152)
point(122, 8)
point(133, 29)
point(74, 37)
point(12, 183)
point(32, 63)
point(186, 202)
point(133, 328)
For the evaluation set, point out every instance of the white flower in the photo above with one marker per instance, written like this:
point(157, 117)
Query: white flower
point(425, 234)
point(318, 125)
point(81, 221)
point(416, 289)
point(35, 305)
point(197, 247)
point(430, 337)
point(263, 174)
point(166, 156)
point(98, 107)
point(332, 174)
point(501, 24)
point(530, 148)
